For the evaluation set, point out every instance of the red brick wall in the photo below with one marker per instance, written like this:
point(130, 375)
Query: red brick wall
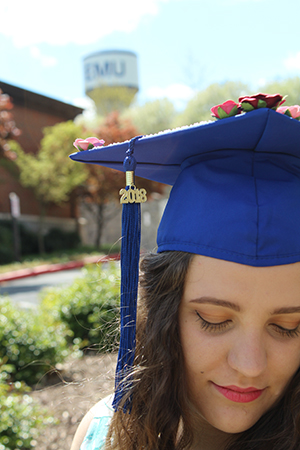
point(31, 122)
point(28, 203)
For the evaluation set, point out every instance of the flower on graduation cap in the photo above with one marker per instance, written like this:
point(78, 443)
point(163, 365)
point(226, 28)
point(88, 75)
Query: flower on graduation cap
point(88, 143)
point(248, 103)
point(226, 109)
point(290, 111)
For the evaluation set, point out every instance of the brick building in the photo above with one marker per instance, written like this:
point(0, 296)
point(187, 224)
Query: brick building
point(32, 112)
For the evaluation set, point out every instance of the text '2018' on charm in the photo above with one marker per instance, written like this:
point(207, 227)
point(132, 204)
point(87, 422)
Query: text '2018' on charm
point(133, 195)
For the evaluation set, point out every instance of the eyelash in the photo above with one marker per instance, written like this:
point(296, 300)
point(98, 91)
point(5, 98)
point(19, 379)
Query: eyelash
point(209, 326)
point(215, 327)
point(285, 332)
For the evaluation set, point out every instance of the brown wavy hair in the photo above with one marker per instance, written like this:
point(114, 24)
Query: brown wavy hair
point(161, 417)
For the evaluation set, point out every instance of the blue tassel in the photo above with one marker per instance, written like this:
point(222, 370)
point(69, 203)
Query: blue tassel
point(130, 253)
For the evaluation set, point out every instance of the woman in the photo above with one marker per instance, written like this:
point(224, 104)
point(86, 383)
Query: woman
point(218, 335)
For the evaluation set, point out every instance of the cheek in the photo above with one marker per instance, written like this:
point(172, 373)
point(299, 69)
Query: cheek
point(201, 352)
point(189, 338)
point(285, 363)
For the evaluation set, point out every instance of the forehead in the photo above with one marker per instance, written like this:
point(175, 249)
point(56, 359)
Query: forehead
point(228, 280)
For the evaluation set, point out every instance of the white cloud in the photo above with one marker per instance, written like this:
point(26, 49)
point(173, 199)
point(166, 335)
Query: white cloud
point(237, 2)
point(84, 102)
point(46, 61)
point(89, 107)
point(60, 22)
point(243, 1)
point(292, 62)
point(179, 94)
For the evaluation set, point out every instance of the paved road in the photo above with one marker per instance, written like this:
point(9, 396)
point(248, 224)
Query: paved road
point(25, 292)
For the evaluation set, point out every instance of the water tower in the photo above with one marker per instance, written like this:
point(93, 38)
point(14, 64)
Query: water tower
point(111, 79)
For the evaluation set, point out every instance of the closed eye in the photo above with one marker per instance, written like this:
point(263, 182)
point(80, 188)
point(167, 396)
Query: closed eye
point(285, 332)
point(212, 326)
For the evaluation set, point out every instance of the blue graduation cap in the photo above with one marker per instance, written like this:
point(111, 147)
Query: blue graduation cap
point(236, 186)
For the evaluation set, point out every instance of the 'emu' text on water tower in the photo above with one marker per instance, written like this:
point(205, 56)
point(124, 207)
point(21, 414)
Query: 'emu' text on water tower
point(111, 79)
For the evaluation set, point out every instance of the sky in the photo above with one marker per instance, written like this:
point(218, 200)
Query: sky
point(182, 46)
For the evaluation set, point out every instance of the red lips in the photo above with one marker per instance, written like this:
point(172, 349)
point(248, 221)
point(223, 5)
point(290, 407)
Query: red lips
point(237, 394)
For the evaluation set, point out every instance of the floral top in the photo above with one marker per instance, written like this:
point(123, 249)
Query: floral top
point(96, 434)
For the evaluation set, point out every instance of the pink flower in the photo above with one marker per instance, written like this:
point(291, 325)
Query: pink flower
point(250, 102)
point(88, 143)
point(290, 111)
point(226, 109)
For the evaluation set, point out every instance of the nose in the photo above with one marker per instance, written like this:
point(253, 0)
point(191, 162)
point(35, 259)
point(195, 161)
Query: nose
point(248, 354)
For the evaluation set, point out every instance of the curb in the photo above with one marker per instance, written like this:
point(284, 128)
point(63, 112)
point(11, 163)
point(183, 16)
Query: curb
point(51, 268)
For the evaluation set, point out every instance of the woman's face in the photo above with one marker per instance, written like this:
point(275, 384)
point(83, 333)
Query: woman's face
point(240, 334)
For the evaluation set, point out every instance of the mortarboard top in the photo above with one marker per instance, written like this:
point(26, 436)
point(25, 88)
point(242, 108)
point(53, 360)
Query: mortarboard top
point(160, 156)
point(236, 193)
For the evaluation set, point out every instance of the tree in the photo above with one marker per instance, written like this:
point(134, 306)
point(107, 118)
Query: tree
point(50, 173)
point(152, 117)
point(198, 108)
point(289, 87)
point(103, 184)
point(8, 129)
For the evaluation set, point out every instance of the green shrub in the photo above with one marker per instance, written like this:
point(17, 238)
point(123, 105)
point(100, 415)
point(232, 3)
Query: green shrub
point(28, 240)
point(21, 418)
point(31, 342)
point(6, 244)
point(57, 239)
point(90, 307)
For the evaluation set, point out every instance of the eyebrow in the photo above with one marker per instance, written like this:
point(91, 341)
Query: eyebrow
point(235, 307)
point(217, 302)
point(287, 310)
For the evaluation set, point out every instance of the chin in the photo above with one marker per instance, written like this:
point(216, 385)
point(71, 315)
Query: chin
point(235, 428)
point(234, 424)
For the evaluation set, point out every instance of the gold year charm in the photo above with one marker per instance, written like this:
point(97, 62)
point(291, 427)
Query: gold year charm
point(133, 195)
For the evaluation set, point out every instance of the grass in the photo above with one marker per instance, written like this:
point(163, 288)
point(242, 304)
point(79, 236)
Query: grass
point(58, 257)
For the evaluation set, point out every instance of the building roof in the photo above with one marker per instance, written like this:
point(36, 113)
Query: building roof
point(32, 100)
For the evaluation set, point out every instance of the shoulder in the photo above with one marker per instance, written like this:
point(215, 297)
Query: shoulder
point(103, 408)
point(95, 422)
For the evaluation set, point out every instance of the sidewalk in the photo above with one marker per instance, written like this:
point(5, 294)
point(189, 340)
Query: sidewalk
point(50, 268)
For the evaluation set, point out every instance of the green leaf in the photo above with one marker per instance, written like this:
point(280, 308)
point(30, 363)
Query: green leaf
point(247, 107)
point(233, 112)
point(287, 113)
point(261, 104)
point(222, 114)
